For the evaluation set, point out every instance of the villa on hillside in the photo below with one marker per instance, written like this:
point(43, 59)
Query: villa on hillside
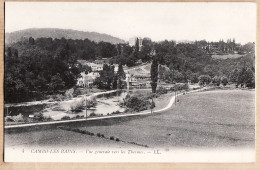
point(86, 80)
point(138, 80)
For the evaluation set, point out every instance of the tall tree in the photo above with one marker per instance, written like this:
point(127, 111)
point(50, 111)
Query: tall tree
point(120, 76)
point(106, 77)
point(154, 74)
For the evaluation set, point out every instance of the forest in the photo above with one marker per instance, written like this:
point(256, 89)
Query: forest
point(35, 68)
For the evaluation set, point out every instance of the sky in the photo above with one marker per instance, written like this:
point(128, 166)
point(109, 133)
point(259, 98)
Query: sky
point(156, 20)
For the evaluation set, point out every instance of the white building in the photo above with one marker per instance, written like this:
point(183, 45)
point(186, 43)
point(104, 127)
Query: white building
point(85, 80)
point(96, 67)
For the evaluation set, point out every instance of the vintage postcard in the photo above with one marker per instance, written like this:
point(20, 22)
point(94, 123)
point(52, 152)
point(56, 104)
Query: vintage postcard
point(129, 82)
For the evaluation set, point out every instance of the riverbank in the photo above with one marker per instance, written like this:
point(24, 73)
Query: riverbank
point(162, 102)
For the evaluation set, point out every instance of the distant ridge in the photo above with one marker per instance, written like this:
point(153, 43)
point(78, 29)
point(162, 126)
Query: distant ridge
point(59, 33)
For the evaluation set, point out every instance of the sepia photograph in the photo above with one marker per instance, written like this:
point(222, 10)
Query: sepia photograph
point(130, 82)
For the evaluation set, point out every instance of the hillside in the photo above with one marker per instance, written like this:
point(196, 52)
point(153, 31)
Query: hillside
point(59, 33)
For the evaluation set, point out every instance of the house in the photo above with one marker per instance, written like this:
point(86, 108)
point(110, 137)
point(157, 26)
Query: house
point(96, 67)
point(138, 81)
point(85, 80)
point(102, 61)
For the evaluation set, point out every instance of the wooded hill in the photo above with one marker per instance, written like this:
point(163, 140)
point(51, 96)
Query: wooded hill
point(59, 33)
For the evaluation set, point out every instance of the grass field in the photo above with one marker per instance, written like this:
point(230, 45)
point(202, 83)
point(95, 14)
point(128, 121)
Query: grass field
point(210, 119)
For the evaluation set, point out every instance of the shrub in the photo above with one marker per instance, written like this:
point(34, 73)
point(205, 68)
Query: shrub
point(38, 116)
point(58, 97)
point(93, 114)
point(117, 140)
point(161, 90)
point(18, 118)
point(137, 104)
point(224, 80)
point(9, 119)
point(116, 112)
point(78, 91)
point(58, 108)
point(204, 80)
point(77, 106)
point(179, 87)
point(216, 80)
point(48, 118)
point(65, 118)
point(69, 93)
point(98, 135)
point(112, 138)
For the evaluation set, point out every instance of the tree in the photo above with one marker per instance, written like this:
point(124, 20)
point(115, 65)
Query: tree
point(233, 77)
point(204, 80)
point(84, 68)
point(106, 77)
point(56, 82)
point(31, 41)
point(154, 74)
point(216, 80)
point(224, 80)
point(250, 78)
point(246, 78)
point(120, 76)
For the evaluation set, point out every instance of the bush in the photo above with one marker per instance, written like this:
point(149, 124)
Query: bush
point(137, 104)
point(112, 138)
point(38, 116)
point(93, 114)
point(18, 118)
point(216, 80)
point(117, 140)
point(9, 119)
point(48, 118)
point(78, 91)
point(91, 103)
point(77, 106)
point(58, 97)
point(161, 90)
point(58, 108)
point(179, 87)
point(204, 80)
point(116, 112)
point(65, 118)
point(69, 93)
point(224, 80)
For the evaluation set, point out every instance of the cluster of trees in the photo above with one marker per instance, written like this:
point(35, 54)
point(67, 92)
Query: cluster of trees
point(188, 62)
point(36, 67)
point(244, 77)
point(83, 49)
point(33, 71)
point(109, 79)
